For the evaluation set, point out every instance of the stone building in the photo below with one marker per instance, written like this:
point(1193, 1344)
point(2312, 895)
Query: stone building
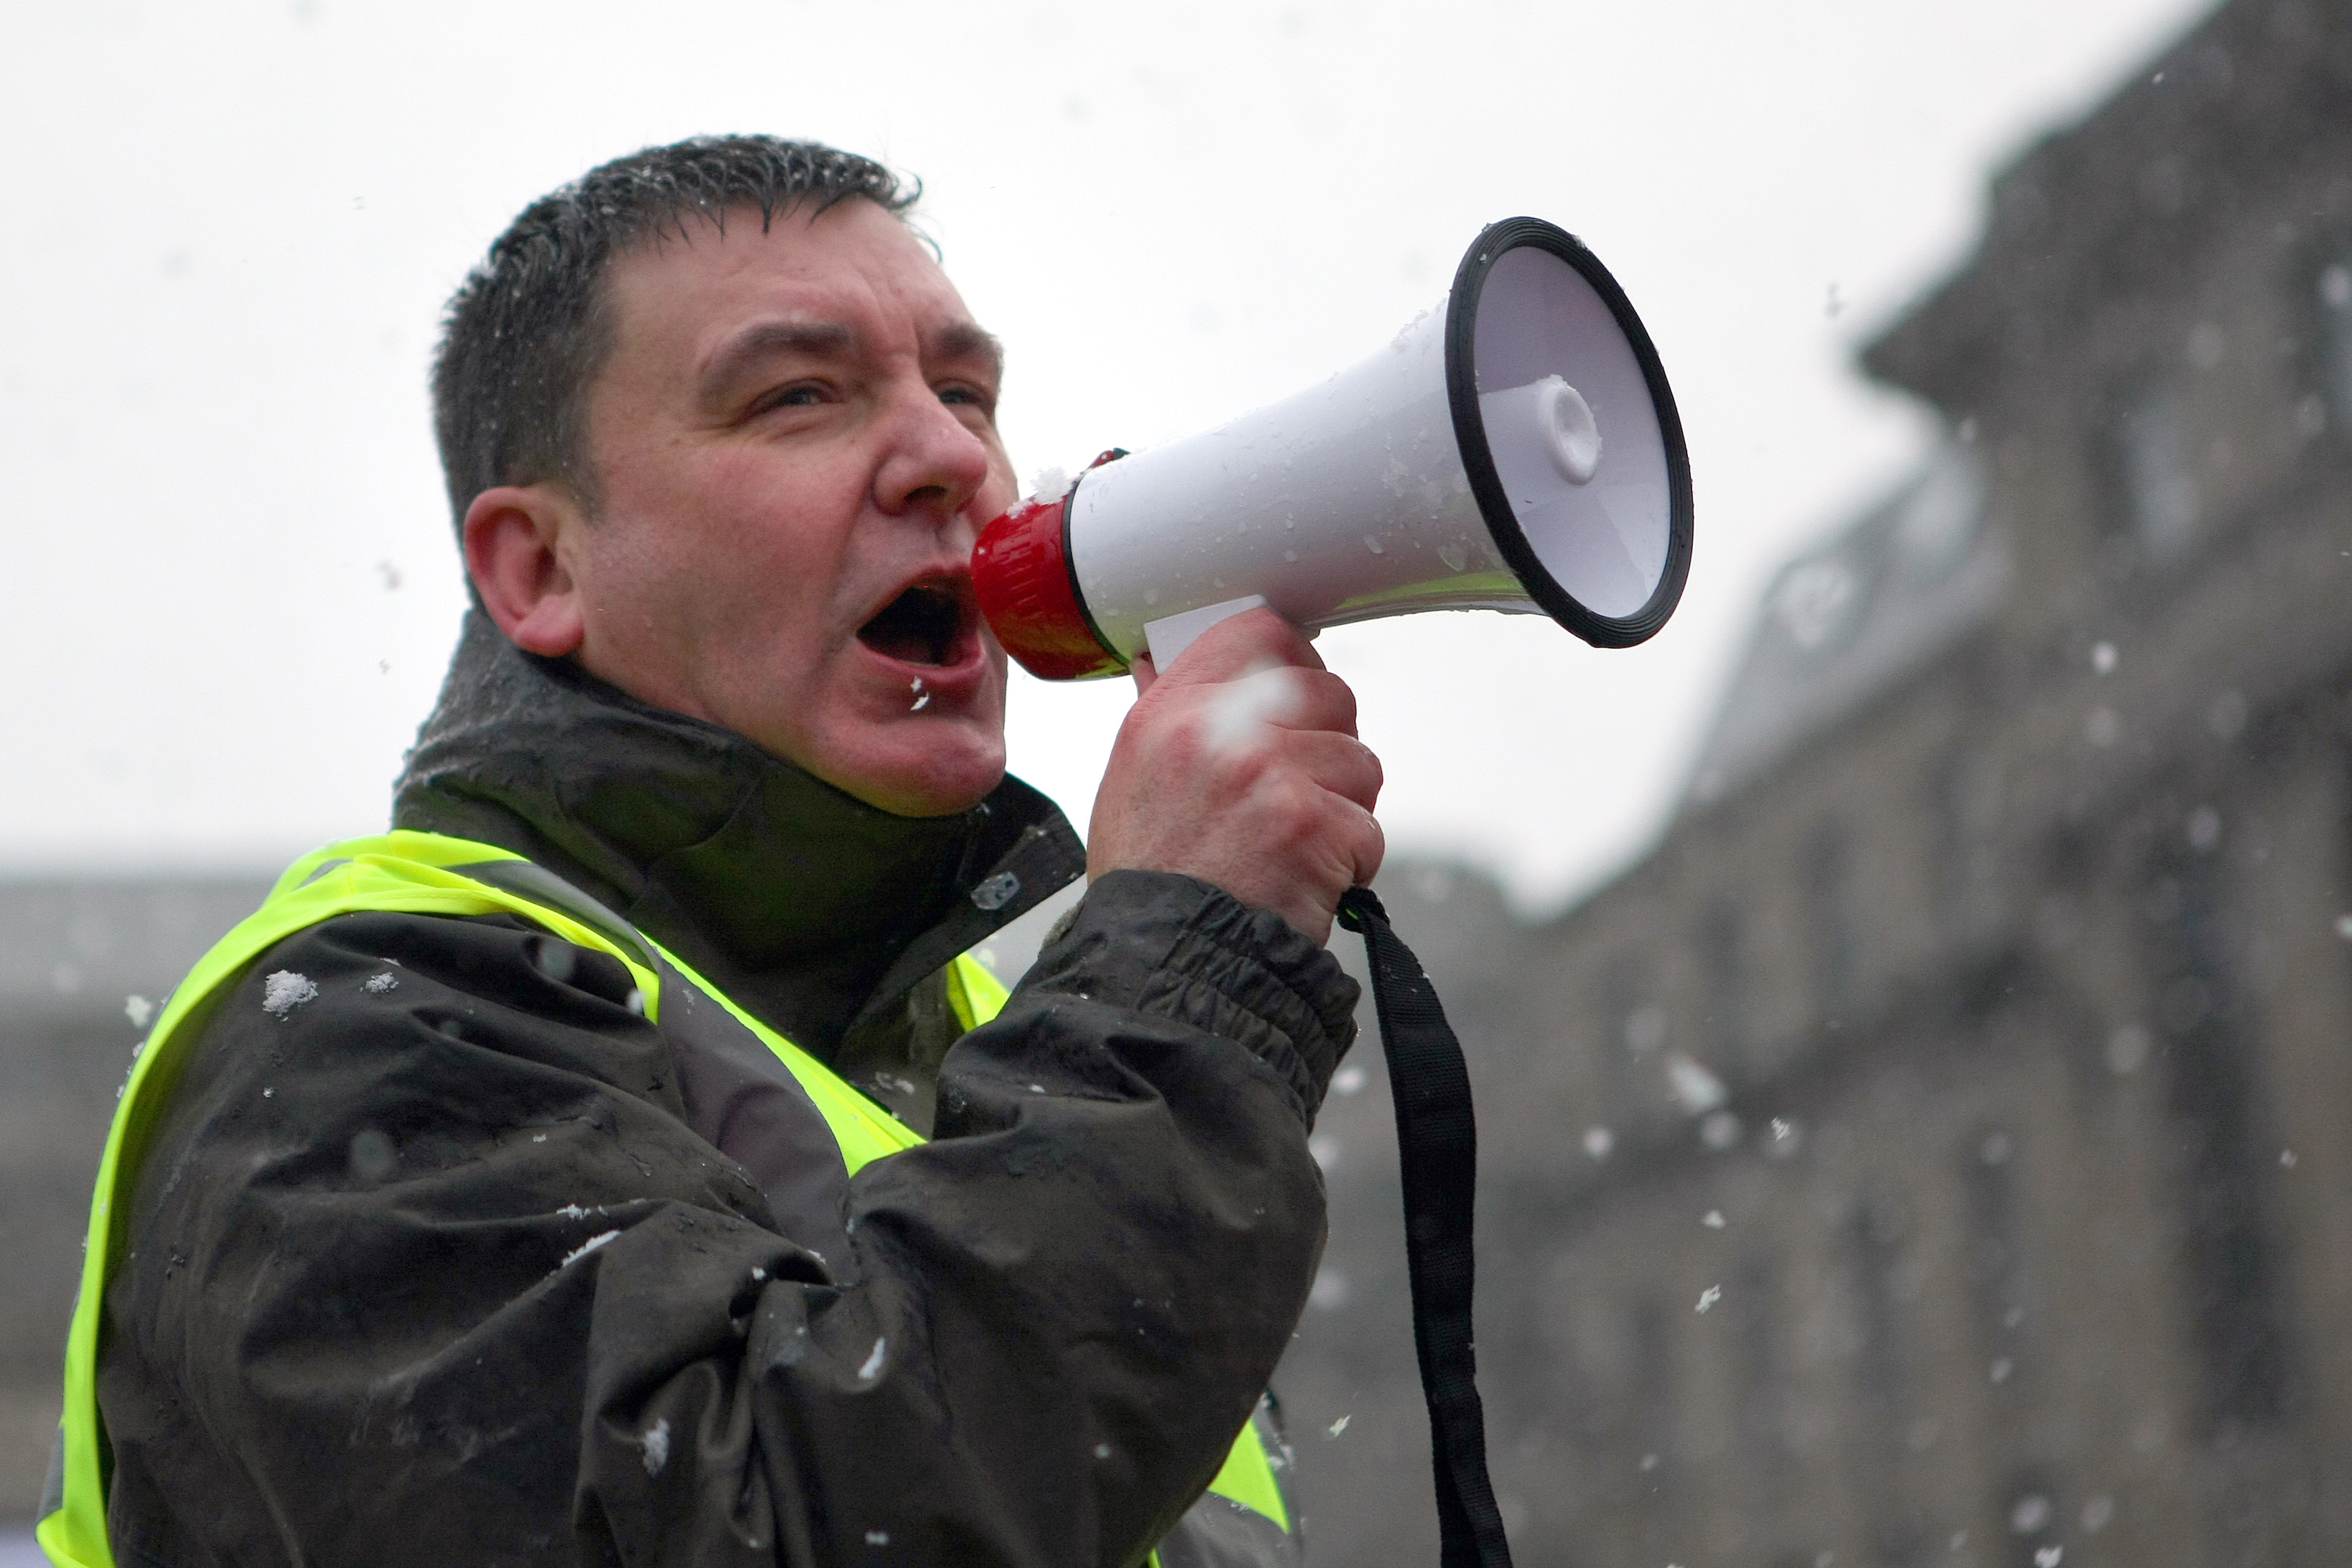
point(81, 963)
point(1938, 1149)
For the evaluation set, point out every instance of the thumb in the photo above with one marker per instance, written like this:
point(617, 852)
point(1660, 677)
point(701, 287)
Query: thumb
point(1144, 671)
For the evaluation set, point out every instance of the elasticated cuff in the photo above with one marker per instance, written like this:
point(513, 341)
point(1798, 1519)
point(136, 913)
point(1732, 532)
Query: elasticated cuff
point(1184, 948)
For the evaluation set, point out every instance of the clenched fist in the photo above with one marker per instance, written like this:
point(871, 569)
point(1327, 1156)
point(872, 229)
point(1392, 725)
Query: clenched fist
point(1241, 766)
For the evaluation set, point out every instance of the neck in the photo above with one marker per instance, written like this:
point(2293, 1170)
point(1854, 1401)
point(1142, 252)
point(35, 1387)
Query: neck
point(813, 908)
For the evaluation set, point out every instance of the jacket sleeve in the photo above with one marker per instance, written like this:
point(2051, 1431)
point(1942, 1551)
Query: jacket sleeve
point(429, 1268)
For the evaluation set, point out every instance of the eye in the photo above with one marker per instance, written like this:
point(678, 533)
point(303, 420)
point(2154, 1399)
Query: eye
point(799, 394)
point(962, 393)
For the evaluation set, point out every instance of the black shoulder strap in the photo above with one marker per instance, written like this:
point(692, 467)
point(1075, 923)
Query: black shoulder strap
point(1437, 1142)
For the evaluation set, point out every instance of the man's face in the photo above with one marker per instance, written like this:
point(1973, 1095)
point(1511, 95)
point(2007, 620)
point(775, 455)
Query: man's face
point(794, 443)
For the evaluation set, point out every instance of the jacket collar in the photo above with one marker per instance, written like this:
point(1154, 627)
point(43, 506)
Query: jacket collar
point(812, 909)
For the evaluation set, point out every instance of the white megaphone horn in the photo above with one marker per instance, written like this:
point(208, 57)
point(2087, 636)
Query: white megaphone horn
point(1515, 449)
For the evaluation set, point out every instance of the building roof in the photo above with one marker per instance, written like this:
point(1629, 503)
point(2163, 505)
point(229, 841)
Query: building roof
point(2101, 208)
point(1847, 621)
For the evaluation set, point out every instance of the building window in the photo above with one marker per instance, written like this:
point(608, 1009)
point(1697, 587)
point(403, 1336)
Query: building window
point(1828, 871)
point(1875, 1235)
point(2160, 500)
point(2236, 1283)
point(1723, 965)
point(2333, 302)
point(1653, 1391)
point(1763, 1376)
point(1818, 602)
point(1996, 1260)
point(1964, 793)
point(1635, 1027)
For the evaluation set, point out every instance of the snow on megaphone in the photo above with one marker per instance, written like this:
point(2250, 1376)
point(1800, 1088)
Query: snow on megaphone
point(1515, 449)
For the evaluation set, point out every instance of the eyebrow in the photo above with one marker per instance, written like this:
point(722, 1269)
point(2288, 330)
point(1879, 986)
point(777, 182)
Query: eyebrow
point(966, 340)
point(960, 340)
point(760, 340)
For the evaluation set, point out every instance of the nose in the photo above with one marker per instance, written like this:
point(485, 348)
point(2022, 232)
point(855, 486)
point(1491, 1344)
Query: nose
point(935, 463)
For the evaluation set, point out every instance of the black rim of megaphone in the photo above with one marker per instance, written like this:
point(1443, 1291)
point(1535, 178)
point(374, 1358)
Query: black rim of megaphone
point(1470, 430)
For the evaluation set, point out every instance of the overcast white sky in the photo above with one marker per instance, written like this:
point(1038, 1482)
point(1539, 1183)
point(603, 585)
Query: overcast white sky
point(228, 587)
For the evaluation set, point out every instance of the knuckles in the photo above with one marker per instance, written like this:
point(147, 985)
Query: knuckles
point(1331, 702)
point(1246, 771)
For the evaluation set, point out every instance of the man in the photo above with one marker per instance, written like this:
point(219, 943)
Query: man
point(498, 1193)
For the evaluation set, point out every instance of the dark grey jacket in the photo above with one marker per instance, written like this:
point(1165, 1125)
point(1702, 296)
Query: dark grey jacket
point(481, 1266)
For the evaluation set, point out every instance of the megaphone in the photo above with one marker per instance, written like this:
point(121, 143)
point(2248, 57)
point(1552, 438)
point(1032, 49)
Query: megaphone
point(1515, 449)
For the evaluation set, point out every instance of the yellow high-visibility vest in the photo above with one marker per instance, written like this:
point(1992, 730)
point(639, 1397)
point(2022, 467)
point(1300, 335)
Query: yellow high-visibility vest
point(403, 872)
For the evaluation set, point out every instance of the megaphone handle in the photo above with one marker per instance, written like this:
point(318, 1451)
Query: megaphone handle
point(1437, 1144)
point(1170, 636)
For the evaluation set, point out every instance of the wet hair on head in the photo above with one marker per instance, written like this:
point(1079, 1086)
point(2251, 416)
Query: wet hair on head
point(525, 334)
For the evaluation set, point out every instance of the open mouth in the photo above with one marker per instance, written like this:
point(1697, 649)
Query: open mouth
point(931, 623)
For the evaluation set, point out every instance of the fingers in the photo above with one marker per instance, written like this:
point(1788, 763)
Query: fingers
point(1144, 673)
point(1247, 712)
point(1236, 644)
point(1240, 715)
point(1321, 701)
point(1339, 763)
point(1240, 765)
point(1340, 845)
point(1345, 853)
point(1367, 849)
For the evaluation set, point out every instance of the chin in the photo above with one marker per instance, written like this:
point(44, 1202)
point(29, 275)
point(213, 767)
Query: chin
point(924, 780)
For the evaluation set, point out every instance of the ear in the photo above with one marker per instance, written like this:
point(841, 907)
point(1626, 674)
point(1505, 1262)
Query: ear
point(519, 543)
